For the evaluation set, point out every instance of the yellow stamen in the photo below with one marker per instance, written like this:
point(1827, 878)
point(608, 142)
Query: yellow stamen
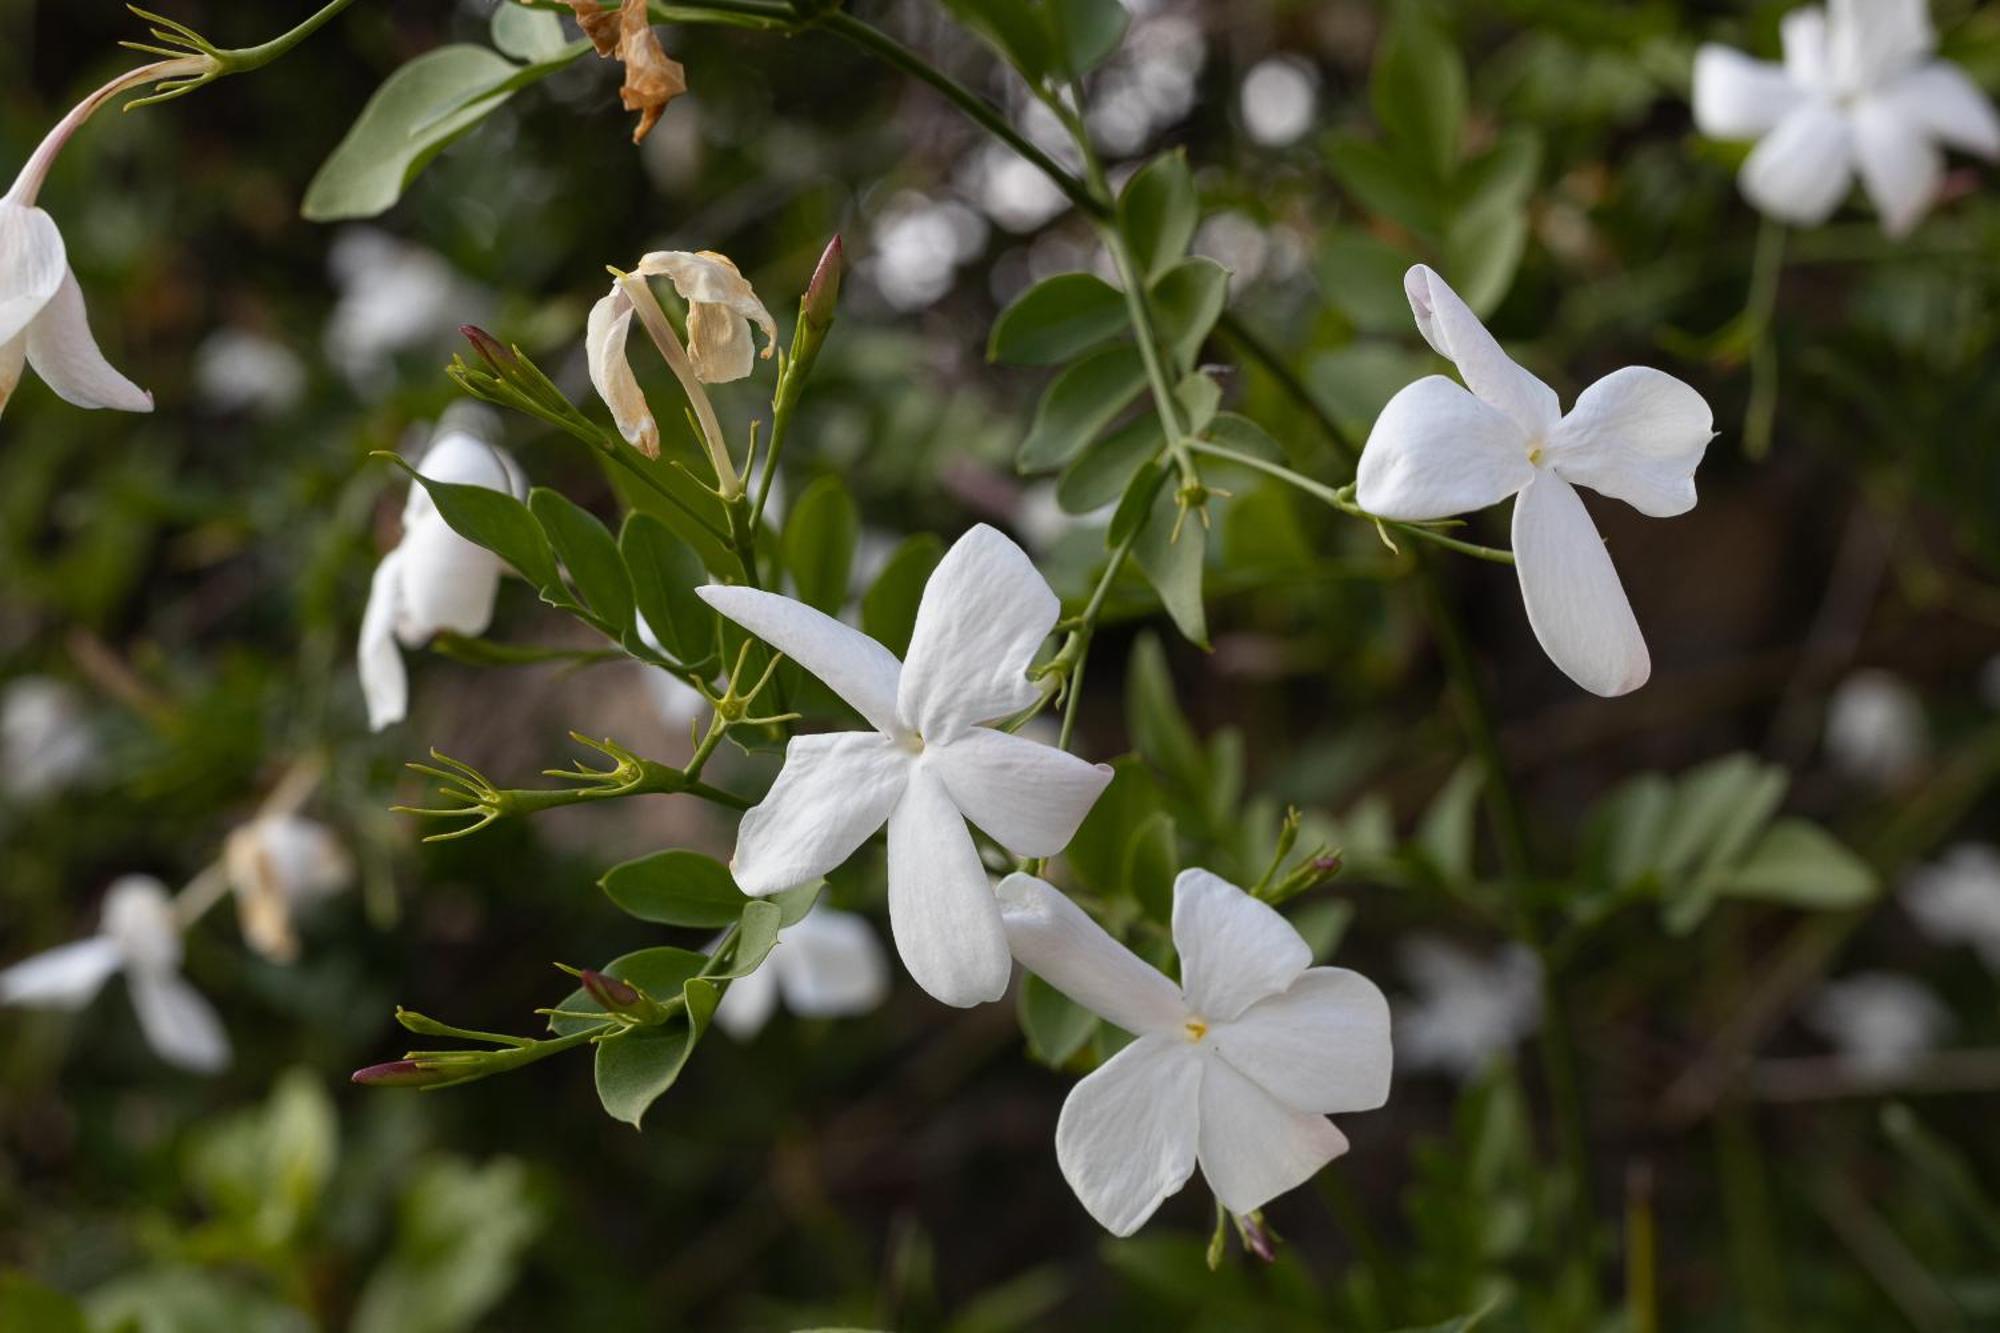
point(1196, 1029)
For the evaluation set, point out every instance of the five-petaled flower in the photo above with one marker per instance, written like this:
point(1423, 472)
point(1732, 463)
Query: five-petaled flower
point(1858, 91)
point(1437, 450)
point(929, 765)
point(434, 579)
point(828, 965)
point(140, 936)
point(1236, 1068)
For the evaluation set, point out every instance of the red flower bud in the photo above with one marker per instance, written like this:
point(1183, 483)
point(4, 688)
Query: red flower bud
point(401, 1074)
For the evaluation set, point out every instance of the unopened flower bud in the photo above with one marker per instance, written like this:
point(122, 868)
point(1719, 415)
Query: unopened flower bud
point(823, 292)
point(491, 350)
point(621, 998)
point(402, 1074)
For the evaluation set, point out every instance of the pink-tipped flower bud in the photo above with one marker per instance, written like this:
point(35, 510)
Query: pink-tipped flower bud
point(621, 998)
point(492, 351)
point(401, 1074)
point(823, 292)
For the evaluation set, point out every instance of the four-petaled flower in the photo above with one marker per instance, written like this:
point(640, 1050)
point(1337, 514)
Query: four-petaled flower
point(434, 579)
point(929, 765)
point(1858, 91)
point(1236, 1068)
point(1437, 450)
point(828, 965)
point(139, 935)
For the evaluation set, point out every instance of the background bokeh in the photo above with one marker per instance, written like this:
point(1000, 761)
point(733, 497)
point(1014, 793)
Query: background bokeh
point(195, 578)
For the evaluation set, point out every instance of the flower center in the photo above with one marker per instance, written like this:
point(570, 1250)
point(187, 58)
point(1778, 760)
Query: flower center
point(1196, 1028)
point(1535, 452)
point(913, 743)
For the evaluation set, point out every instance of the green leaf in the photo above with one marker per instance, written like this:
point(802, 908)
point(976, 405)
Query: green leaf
point(1199, 396)
point(795, 902)
point(756, 935)
point(1016, 30)
point(1085, 32)
point(1245, 437)
point(1418, 90)
point(1100, 474)
point(820, 535)
point(1387, 185)
point(1445, 834)
point(29, 1306)
point(1079, 405)
point(1172, 562)
point(889, 608)
point(1362, 275)
point(1159, 729)
point(1055, 1025)
point(528, 35)
point(1056, 320)
point(1483, 252)
point(660, 972)
point(664, 574)
point(1187, 300)
point(590, 554)
point(676, 888)
point(1799, 863)
point(1152, 861)
point(1097, 852)
point(635, 1068)
point(399, 131)
point(1135, 505)
point(1157, 211)
point(494, 520)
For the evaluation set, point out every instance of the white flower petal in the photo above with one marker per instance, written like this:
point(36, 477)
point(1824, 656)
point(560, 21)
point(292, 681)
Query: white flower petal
point(138, 915)
point(65, 355)
point(1575, 603)
point(1803, 34)
point(833, 792)
point(33, 265)
point(1253, 1147)
point(1736, 97)
point(1456, 334)
point(941, 909)
point(851, 664)
point(749, 1002)
point(1636, 435)
point(385, 684)
point(1901, 165)
point(13, 359)
point(179, 1024)
point(1869, 41)
point(1941, 99)
point(1127, 1135)
point(721, 307)
point(984, 613)
point(1057, 941)
point(468, 458)
point(611, 372)
point(447, 583)
point(1436, 450)
point(1322, 1046)
point(831, 965)
point(65, 977)
point(1234, 950)
point(1026, 796)
point(1800, 171)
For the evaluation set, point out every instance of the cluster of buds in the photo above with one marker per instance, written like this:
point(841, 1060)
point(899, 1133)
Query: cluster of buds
point(1317, 867)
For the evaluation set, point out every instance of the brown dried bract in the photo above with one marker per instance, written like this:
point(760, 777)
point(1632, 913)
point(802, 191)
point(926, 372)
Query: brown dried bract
point(652, 77)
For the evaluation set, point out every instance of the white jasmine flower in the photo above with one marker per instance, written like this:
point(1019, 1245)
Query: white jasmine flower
point(1437, 450)
point(42, 318)
point(1235, 1069)
point(1875, 728)
point(276, 864)
point(236, 370)
point(1880, 1022)
point(827, 965)
point(1858, 92)
point(434, 579)
point(139, 936)
point(46, 740)
point(929, 765)
point(1468, 1009)
point(395, 297)
point(1956, 900)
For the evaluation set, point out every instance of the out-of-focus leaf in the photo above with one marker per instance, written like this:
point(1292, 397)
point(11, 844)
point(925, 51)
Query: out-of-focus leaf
point(1097, 852)
point(1017, 30)
point(1363, 276)
point(1799, 863)
point(1418, 89)
point(1158, 728)
point(29, 1306)
point(821, 531)
point(1445, 834)
point(1158, 210)
point(1079, 405)
point(460, 1231)
point(1152, 860)
point(528, 35)
point(1055, 1025)
point(1100, 474)
point(1386, 184)
point(889, 607)
point(1085, 32)
point(1056, 320)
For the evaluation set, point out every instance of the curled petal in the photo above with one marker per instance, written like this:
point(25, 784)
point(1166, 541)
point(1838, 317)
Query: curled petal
point(1799, 172)
point(1436, 450)
point(66, 977)
point(1027, 796)
point(834, 791)
point(1456, 334)
point(1576, 605)
point(1636, 435)
point(1736, 97)
point(1901, 165)
point(1253, 1147)
point(721, 307)
point(1128, 1133)
point(984, 613)
point(385, 684)
point(179, 1024)
point(33, 264)
point(1942, 100)
point(63, 352)
point(1057, 941)
point(848, 662)
point(611, 372)
point(941, 908)
point(1234, 949)
point(1322, 1046)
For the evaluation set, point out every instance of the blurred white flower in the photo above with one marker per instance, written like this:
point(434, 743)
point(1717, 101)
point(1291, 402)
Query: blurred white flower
point(1956, 899)
point(1437, 451)
point(42, 319)
point(395, 297)
point(827, 965)
point(1875, 728)
point(1468, 1009)
point(1279, 99)
point(1858, 92)
point(236, 370)
point(929, 766)
point(1880, 1022)
point(919, 245)
point(1235, 1069)
point(1011, 190)
point(434, 579)
point(277, 864)
point(46, 741)
point(140, 936)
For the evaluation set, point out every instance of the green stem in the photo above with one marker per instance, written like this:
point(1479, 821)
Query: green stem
point(247, 58)
point(1761, 411)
